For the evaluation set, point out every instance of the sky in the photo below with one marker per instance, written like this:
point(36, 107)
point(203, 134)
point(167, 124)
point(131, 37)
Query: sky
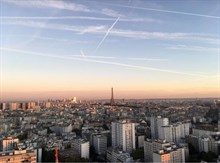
point(82, 48)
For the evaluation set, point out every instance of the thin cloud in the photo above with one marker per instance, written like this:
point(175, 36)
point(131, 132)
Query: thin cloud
point(111, 13)
point(102, 29)
point(58, 40)
point(147, 59)
point(64, 5)
point(94, 56)
point(107, 33)
point(51, 4)
point(102, 62)
point(119, 58)
point(77, 17)
point(164, 11)
point(192, 48)
point(55, 26)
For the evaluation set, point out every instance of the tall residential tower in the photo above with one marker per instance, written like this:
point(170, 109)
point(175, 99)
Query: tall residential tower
point(123, 135)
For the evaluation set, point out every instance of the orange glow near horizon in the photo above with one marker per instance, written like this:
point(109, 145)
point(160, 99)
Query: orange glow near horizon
point(43, 89)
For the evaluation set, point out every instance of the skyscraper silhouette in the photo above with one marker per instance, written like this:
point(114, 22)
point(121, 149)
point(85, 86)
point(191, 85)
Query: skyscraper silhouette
point(112, 102)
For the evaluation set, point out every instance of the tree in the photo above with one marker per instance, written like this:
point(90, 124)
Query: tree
point(48, 156)
point(209, 156)
point(23, 136)
point(138, 153)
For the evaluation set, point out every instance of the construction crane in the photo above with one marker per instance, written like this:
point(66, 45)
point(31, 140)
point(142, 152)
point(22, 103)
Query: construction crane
point(56, 155)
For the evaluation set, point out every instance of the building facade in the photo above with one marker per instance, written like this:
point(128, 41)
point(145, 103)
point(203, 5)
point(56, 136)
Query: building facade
point(8, 144)
point(82, 147)
point(123, 135)
point(156, 126)
point(100, 144)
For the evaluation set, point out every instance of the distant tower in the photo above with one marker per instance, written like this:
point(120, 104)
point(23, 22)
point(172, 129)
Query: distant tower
point(112, 102)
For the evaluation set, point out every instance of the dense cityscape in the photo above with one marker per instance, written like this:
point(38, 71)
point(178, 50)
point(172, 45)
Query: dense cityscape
point(70, 130)
point(128, 81)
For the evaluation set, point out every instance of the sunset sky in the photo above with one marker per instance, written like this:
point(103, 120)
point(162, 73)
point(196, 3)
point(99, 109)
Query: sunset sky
point(82, 48)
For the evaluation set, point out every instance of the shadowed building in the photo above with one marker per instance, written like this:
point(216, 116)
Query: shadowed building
point(218, 107)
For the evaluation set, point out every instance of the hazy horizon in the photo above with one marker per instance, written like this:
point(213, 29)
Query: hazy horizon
point(96, 95)
point(80, 48)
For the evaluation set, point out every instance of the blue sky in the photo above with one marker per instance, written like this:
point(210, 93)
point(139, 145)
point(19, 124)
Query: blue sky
point(143, 48)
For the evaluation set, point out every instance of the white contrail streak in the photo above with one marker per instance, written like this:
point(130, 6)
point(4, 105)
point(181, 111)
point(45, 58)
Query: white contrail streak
point(94, 56)
point(56, 17)
point(72, 17)
point(82, 54)
point(108, 31)
point(147, 59)
point(107, 57)
point(165, 11)
point(103, 62)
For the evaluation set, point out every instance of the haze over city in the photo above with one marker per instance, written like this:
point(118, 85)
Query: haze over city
point(144, 49)
point(126, 81)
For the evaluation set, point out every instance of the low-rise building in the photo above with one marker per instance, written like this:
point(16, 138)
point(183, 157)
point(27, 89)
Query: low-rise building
point(116, 155)
point(8, 144)
point(18, 156)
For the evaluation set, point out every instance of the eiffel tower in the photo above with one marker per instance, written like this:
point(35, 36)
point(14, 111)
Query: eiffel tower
point(112, 101)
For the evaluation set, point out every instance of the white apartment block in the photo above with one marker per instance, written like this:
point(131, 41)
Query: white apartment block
point(175, 133)
point(156, 126)
point(123, 135)
point(82, 147)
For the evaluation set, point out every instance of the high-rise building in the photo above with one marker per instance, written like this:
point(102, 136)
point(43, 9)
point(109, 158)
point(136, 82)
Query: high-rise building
point(8, 144)
point(24, 106)
point(112, 102)
point(217, 102)
point(123, 135)
point(175, 133)
point(100, 143)
point(140, 141)
point(156, 126)
point(3, 106)
point(13, 106)
point(82, 147)
point(38, 153)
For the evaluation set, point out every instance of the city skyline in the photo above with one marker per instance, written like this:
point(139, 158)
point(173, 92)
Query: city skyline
point(144, 49)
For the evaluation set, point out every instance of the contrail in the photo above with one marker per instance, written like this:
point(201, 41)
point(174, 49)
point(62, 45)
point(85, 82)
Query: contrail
point(147, 59)
point(56, 17)
point(108, 31)
point(82, 54)
point(103, 62)
point(165, 11)
point(71, 17)
point(94, 56)
point(107, 57)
